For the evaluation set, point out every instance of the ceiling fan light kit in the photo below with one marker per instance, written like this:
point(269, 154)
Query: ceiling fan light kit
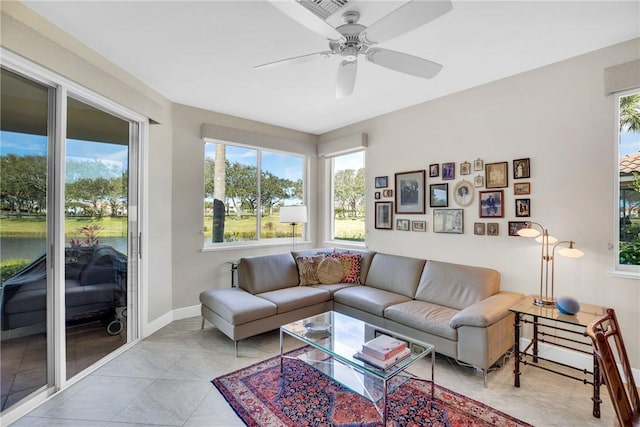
point(351, 39)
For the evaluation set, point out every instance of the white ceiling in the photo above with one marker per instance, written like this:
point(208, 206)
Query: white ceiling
point(202, 53)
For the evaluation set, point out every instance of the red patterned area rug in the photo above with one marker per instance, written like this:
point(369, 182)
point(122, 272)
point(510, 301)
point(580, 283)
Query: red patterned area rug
point(303, 396)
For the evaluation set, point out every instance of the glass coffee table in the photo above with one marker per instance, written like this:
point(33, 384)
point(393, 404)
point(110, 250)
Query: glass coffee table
point(334, 338)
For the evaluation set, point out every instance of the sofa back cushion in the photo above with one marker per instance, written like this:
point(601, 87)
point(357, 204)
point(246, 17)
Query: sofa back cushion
point(265, 273)
point(455, 285)
point(395, 273)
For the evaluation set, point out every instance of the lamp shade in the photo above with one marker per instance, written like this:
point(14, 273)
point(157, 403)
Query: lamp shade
point(571, 252)
point(528, 232)
point(293, 214)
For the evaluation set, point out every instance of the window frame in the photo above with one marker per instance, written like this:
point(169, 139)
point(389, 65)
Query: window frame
point(258, 242)
point(331, 238)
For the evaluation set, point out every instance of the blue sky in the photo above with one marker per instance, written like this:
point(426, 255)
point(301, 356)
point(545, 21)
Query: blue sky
point(629, 143)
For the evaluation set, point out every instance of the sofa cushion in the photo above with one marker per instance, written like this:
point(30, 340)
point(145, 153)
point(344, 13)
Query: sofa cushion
point(431, 318)
point(330, 271)
point(308, 269)
point(369, 299)
point(236, 305)
point(296, 297)
point(265, 273)
point(334, 287)
point(395, 273)
point(456, 286)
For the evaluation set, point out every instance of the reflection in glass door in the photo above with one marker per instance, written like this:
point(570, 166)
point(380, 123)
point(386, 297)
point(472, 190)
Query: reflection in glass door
point(24, 139)
point(96, 230)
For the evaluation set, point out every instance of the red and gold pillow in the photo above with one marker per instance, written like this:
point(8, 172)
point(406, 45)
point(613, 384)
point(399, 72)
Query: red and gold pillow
point(350, 267)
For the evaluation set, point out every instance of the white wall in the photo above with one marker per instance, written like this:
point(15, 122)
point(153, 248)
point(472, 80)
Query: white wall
point(559, 117)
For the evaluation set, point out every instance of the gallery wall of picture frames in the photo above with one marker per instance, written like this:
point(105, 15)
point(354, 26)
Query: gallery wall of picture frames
point(479, 185)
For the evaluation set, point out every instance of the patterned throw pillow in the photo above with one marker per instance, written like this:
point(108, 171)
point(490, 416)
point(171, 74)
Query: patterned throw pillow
point(350, 267)
point(330, 271)
point(308, 269)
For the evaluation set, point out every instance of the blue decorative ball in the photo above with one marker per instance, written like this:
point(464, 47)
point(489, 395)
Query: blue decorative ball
point(568, 305)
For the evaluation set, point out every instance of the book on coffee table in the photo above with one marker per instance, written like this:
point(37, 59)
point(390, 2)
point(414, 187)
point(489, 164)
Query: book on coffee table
point(383, 347)
point(383, 364)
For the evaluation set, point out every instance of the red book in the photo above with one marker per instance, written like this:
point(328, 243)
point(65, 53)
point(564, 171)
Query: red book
point(384, 347)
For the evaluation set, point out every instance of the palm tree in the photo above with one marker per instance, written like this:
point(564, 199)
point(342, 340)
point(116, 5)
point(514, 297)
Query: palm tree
point(630, 113)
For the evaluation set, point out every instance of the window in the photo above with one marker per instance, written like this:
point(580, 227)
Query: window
point(628, 254)
point(348, 197)
point(244, 189)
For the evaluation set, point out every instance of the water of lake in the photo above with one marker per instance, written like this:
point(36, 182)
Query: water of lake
point(32, 248)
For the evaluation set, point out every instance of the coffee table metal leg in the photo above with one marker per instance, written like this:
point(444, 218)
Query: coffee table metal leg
point(384, 400)
point(281, 348)
point(433, 378)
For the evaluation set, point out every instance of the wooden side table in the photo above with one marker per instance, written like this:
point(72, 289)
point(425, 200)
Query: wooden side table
point(553, 328)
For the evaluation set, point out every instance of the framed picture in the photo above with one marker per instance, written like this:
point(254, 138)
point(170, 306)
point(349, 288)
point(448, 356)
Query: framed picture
point(521, 188)
point(410, 192)
point(463, 193)
point(521, 168)
point(384, 215)
point(514, 226)
point(448, 170)
point(382, 181)
point(439, 195)
point(478, 165)
point(496, 175)
point(376, 195)
point(493, 229)
point(465, 168)
point(434, 170)
point(491, 205)
point(478, 181)
point(387, 193)
point(402, 224)
point(419, 226)
point(448, 221)
point(523, 207)
point(478, 228)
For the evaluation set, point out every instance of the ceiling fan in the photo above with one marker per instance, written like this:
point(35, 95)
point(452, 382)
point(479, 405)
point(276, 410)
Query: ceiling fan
point(351, 39)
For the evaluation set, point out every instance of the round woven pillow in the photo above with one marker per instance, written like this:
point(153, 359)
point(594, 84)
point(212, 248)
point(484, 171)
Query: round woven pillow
point(329, 271)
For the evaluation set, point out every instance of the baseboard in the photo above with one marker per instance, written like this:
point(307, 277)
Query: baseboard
point(162, 321)
point(568, 357)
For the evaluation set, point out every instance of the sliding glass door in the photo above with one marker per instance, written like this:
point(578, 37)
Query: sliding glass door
point(68, 230)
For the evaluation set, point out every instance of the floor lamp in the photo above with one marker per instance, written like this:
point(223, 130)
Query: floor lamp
point(293, 215)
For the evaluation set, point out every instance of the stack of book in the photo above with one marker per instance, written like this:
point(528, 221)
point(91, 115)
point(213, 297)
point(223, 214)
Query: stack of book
point(383, 351)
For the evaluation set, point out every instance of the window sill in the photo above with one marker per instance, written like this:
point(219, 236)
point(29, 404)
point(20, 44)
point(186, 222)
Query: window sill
point(236, 246)
point(345, 244)
point(621, 274)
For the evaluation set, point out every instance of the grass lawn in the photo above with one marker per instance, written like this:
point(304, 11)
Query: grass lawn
point(36, 227)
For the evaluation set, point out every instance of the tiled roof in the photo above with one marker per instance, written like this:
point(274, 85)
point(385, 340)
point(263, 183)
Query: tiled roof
point(630, 163)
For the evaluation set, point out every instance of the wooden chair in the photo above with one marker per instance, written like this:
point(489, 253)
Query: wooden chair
point(609, 349)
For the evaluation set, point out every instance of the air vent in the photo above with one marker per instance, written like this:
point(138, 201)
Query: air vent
point(324, 8)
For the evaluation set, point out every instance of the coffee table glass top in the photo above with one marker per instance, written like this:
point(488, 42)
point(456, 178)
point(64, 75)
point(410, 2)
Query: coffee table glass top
point(341, 336)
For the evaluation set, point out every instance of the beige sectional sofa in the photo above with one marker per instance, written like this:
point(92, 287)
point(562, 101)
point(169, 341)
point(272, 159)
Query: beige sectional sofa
point(458, 308)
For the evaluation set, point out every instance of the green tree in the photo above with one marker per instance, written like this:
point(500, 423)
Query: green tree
point(349, 191)
point(630, 113)
point(94, 192)
point(241, 182)
point(24, 183)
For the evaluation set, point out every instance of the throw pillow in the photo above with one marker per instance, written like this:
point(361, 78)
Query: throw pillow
point(330, 271)
point(308, 269)
point(350, 267)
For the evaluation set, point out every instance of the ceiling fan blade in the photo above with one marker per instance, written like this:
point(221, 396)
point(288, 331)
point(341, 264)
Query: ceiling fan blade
point(407, 17)
point(296, 59)
point(307, 18)
point(346, 78)
point(403, 62)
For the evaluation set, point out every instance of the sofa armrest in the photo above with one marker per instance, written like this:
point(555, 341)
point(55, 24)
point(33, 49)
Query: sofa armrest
point(486, 312)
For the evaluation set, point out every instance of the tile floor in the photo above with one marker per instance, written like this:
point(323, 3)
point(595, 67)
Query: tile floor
point(165, 380)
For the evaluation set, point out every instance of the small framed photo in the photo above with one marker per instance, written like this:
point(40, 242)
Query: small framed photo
point(387, 193)
point(434, 170)
point(448, 221)
point(376, 195)
point(410, 192)
point(384, 215)
point(521, 168)
point(491, 204)
point(496, 175)
point(463, 193)
point(419, 226)
point(523, 207)
point(465, 168)
point(382, 181)
point(515, 226)
point(521, 188)
point(448, 170)
point(478, 228)
point(493, 229)
point(439, 195)
point(478, 181)
point(478, 165)
point(402, 224)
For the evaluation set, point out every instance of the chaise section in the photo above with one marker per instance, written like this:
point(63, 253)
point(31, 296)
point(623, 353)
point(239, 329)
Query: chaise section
point(296, 297)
